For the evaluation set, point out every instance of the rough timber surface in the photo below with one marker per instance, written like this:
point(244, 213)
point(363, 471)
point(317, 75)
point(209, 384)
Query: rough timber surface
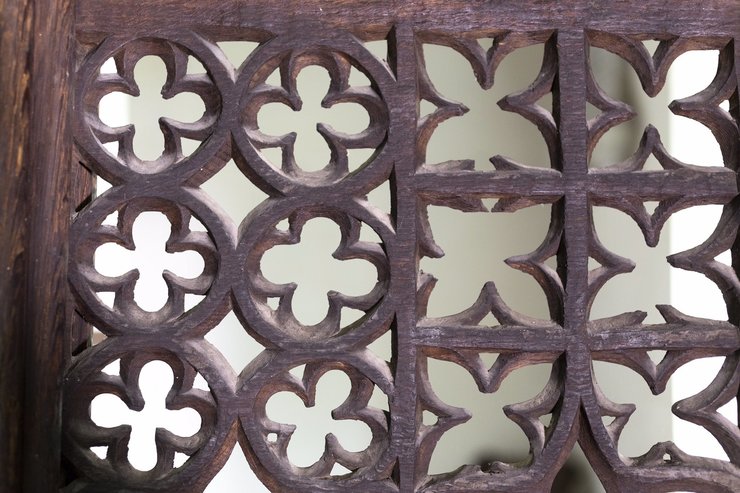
point(52, 52)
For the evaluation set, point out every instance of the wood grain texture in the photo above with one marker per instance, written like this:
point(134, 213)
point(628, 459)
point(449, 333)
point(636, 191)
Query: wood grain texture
point(47, 260)
point(37, 204)
point(50, 200)
point(680, 16)
point(15, 29)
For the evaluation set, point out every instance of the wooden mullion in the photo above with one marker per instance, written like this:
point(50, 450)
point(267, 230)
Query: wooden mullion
point(405, 204)
point(569, 105)
point(570, 110)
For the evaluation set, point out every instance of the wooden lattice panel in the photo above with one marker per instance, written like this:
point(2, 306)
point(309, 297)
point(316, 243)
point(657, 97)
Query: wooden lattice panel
point(332, 35)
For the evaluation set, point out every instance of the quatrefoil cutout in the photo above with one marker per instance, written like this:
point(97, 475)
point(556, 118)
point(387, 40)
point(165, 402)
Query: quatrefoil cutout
point(153, 137)
point(358, 112)
point(306, 444)
point(354, 253)
point(151, 261)
point(149, 238)
point(136, 142)
point(314, 126)
point(139, 416)
point(308, 264)
point(311, 423)
point(110, 411)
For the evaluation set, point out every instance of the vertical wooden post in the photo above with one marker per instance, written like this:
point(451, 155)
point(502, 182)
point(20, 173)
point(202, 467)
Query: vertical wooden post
point(50, 195)
point(36, 202)
point(405, 206)
point(15, 32)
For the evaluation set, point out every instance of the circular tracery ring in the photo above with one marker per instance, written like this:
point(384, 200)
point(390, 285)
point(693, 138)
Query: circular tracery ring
point(268, 440)
point(279, 326)
point(213, 87)
point(338, 55)
point(207, 448)
point(215, 246)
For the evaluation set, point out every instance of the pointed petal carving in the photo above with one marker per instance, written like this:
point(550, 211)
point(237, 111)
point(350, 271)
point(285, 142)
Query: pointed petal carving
point(702, 257)
point(611, 264)
point(527, 414)
point(702, 408)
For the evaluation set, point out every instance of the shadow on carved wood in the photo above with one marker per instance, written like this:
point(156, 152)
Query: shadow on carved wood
point(390, 396)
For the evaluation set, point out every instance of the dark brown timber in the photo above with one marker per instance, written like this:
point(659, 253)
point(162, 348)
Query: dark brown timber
point(54, 142)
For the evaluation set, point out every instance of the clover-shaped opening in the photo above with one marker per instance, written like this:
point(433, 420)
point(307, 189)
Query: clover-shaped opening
point(151, 261)
point(320, 126)
point(658, 91)
point(319, 276)
point(165, 123)
point(311, 423)
point(155, 381)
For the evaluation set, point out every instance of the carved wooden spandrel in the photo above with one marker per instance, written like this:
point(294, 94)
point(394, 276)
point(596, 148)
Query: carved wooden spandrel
point(233, 409)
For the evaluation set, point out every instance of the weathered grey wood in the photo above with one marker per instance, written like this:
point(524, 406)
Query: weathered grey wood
point(405, 422)
point(678, 16)
point(401, 448)
point(47, 272)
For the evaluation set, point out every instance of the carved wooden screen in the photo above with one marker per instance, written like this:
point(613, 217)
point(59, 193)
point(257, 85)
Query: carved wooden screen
point(332, 35)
